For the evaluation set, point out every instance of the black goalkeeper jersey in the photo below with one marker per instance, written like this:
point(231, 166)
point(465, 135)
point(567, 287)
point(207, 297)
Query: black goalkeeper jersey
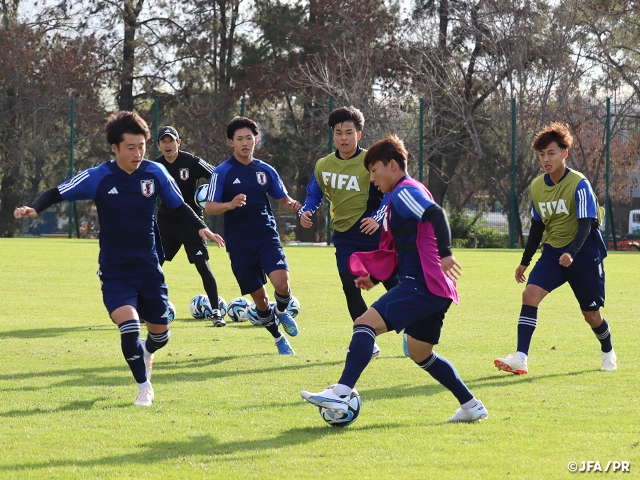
point(186, 170)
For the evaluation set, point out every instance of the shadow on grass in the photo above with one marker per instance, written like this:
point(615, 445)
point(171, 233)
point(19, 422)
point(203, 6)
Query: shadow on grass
point(203, 445)
point(52, 332)
point(501, 379)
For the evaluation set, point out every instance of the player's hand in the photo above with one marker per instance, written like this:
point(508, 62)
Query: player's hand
point(369, 225)
point(566, 259)
point(239, 200)
point(520, 276)
point(293, 205)
point(25, 212)
point(205, 234)
point(451, 267)
point(305, 219)
point(364, 282)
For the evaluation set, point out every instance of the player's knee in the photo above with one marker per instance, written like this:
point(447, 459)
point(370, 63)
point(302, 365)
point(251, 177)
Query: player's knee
point(155, 341)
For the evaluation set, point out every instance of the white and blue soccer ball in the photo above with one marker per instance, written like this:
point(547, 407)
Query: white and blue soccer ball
point(172, 312)
point(252, 313)
point(222, 305)
point(237, 309)
point(200, 306)
point(346, 418)
point(294, 307)
point(200, 196)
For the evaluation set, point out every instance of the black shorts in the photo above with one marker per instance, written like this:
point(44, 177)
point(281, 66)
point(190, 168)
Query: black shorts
point(173, 236)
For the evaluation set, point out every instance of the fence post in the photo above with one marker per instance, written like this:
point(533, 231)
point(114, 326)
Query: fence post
point(609, 228)
point(421, 140)
point(514, 204)
point(156, 126)
point(72, 121)
point(242, 106)
point(329, 149)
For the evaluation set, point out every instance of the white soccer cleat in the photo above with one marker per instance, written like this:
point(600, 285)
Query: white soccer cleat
point(148, 359)
point(328, 400)
point(609, 361)
point(474, 414)
point(512, 364)
point(145, 397)
point(376, 351)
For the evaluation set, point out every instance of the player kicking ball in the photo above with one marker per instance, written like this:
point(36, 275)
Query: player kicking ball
point(415, 243)
point(239, 189)
point(125, 192)
point(566, 214)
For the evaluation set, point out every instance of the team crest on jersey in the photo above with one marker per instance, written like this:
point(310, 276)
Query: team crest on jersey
point(262, 178)
point(148, 187)
point(184, 173)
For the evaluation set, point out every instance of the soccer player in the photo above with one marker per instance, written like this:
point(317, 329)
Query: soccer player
point(416, 241)
point(357, 207)
point(125, 191)
point(186, 169)
point(565, 217)
point(238, 189)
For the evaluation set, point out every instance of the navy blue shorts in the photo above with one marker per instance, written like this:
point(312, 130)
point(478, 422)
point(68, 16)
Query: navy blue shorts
point(585, 276)
point(251, 267)
point(411, 307)
point(353, 240)
point(147, 293)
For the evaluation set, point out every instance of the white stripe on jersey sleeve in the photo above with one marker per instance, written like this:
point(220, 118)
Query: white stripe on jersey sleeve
point(411, 203)
point(213, 183)
point(174, 186)
point(80, 177)
point(208, 167)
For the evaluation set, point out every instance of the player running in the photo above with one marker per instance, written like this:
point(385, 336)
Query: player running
point(357, 206)
point(186, 169)
point(125, 191)
point(565, 217)
point(238, 189)
point(416, 241)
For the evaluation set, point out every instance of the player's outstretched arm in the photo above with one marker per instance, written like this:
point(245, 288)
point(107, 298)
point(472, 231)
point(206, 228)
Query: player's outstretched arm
point(25, 212)
point(44, 201)
point(289, 203)
point(205, 234)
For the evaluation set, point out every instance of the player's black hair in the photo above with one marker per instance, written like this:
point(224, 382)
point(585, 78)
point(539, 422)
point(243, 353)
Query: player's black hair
point(346, 114)
point(125, 122)
point(241, 122)
point(385, 150)
point(554, 132)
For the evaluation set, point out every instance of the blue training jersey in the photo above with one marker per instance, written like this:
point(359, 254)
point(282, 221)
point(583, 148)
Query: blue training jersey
point(254, 223)
point(126, 210)
point(408, 204)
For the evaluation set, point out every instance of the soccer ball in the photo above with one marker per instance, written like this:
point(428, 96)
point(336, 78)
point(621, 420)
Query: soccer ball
point(252, 314)
point(172, 312)
point(222, 305)
point(200, 306)
point(294, 307)
point(237, 309)
point(200, 196)
point(347, 418)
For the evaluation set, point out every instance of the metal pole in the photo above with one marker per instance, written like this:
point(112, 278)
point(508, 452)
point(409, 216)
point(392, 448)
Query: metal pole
point(421, 137)
point(156, 126)
point(608, 211)
point(329, 149)
point(72, 121)
point(242, 105)
point(513, 212)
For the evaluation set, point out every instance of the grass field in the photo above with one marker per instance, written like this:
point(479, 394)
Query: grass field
point(227, 406)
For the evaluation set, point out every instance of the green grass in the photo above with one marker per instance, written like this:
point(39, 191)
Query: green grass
point(227, 406)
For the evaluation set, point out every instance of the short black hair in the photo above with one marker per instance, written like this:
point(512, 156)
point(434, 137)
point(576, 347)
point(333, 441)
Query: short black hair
point(347, 114)
point(125, 122)
point(237, 123)
point(554, 132)
point(390, 147)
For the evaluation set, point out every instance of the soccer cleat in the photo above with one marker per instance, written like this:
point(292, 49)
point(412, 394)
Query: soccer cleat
point(284, 348)
point(609, 361)
point(217, 320)
point(474, 414)
point(328, 400)
point(288, 323)
point(376, 351)
point(145, 397)
point(405, 345)
point(512, 364)
point(148, 359)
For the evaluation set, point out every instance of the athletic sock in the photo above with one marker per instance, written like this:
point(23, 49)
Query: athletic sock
point(445, 373)
point(155, 341)
point(132, 349)
point(282, 301)
point(358, 354)
point(269, 322)
point(604, 335)
point(526, 326)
